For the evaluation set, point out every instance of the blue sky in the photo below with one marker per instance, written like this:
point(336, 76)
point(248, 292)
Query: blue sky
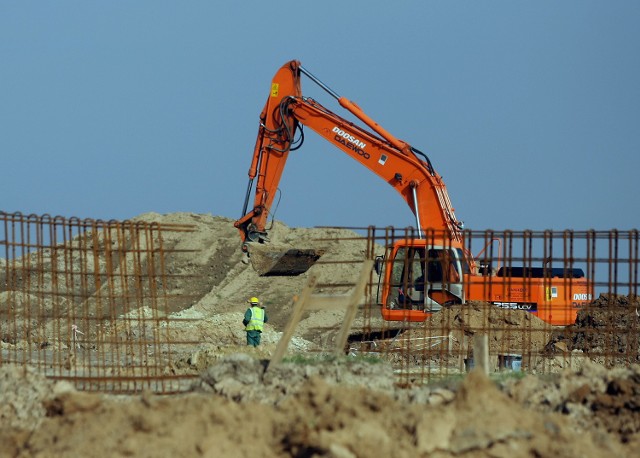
point(529, 110)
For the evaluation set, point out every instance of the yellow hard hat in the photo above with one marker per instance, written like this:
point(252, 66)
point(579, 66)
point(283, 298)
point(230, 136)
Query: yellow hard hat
point(253, 300)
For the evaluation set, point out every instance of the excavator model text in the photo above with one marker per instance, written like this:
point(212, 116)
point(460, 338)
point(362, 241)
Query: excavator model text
point(420, 275)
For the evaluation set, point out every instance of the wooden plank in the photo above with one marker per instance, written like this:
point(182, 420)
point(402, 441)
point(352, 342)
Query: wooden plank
point(352, 306)
point(327, 302)
point(296, 315)
point(481, 352)
point(307, 301)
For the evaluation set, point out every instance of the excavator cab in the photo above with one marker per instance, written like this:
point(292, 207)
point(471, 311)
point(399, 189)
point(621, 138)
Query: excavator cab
point(422, 279)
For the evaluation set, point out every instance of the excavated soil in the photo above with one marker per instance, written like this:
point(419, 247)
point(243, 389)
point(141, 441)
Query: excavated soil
point(339, 407)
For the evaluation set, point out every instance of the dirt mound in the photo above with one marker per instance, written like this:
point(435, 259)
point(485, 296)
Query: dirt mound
point(609, 326)
point(615, 317)
point(323, 414)
point(208, 272)
point(593, 397)
point(505, 328)
point(22, 392)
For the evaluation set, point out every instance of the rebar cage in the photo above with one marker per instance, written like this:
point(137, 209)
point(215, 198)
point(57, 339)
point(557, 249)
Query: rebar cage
point(88, 300)
point(96, 303)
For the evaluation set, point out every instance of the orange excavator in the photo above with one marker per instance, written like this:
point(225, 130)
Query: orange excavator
point(418, 275)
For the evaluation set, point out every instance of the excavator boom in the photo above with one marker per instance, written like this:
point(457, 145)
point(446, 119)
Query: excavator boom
point(286, 111)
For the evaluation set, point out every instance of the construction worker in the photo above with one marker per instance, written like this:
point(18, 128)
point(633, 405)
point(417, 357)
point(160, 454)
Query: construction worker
point(254, 319)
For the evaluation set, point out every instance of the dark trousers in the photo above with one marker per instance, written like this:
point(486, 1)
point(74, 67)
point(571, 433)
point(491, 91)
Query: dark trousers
point(253, 338)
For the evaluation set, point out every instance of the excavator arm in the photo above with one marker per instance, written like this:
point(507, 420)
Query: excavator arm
point(274, 142)
point(403, 167)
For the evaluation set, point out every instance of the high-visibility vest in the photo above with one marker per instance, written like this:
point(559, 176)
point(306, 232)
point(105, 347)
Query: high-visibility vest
point(256, 323)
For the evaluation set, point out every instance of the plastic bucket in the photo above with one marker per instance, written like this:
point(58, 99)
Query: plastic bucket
point(469, 364)
point(510, 362)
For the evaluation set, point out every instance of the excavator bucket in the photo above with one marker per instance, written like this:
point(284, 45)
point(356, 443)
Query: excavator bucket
point(269, 261)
